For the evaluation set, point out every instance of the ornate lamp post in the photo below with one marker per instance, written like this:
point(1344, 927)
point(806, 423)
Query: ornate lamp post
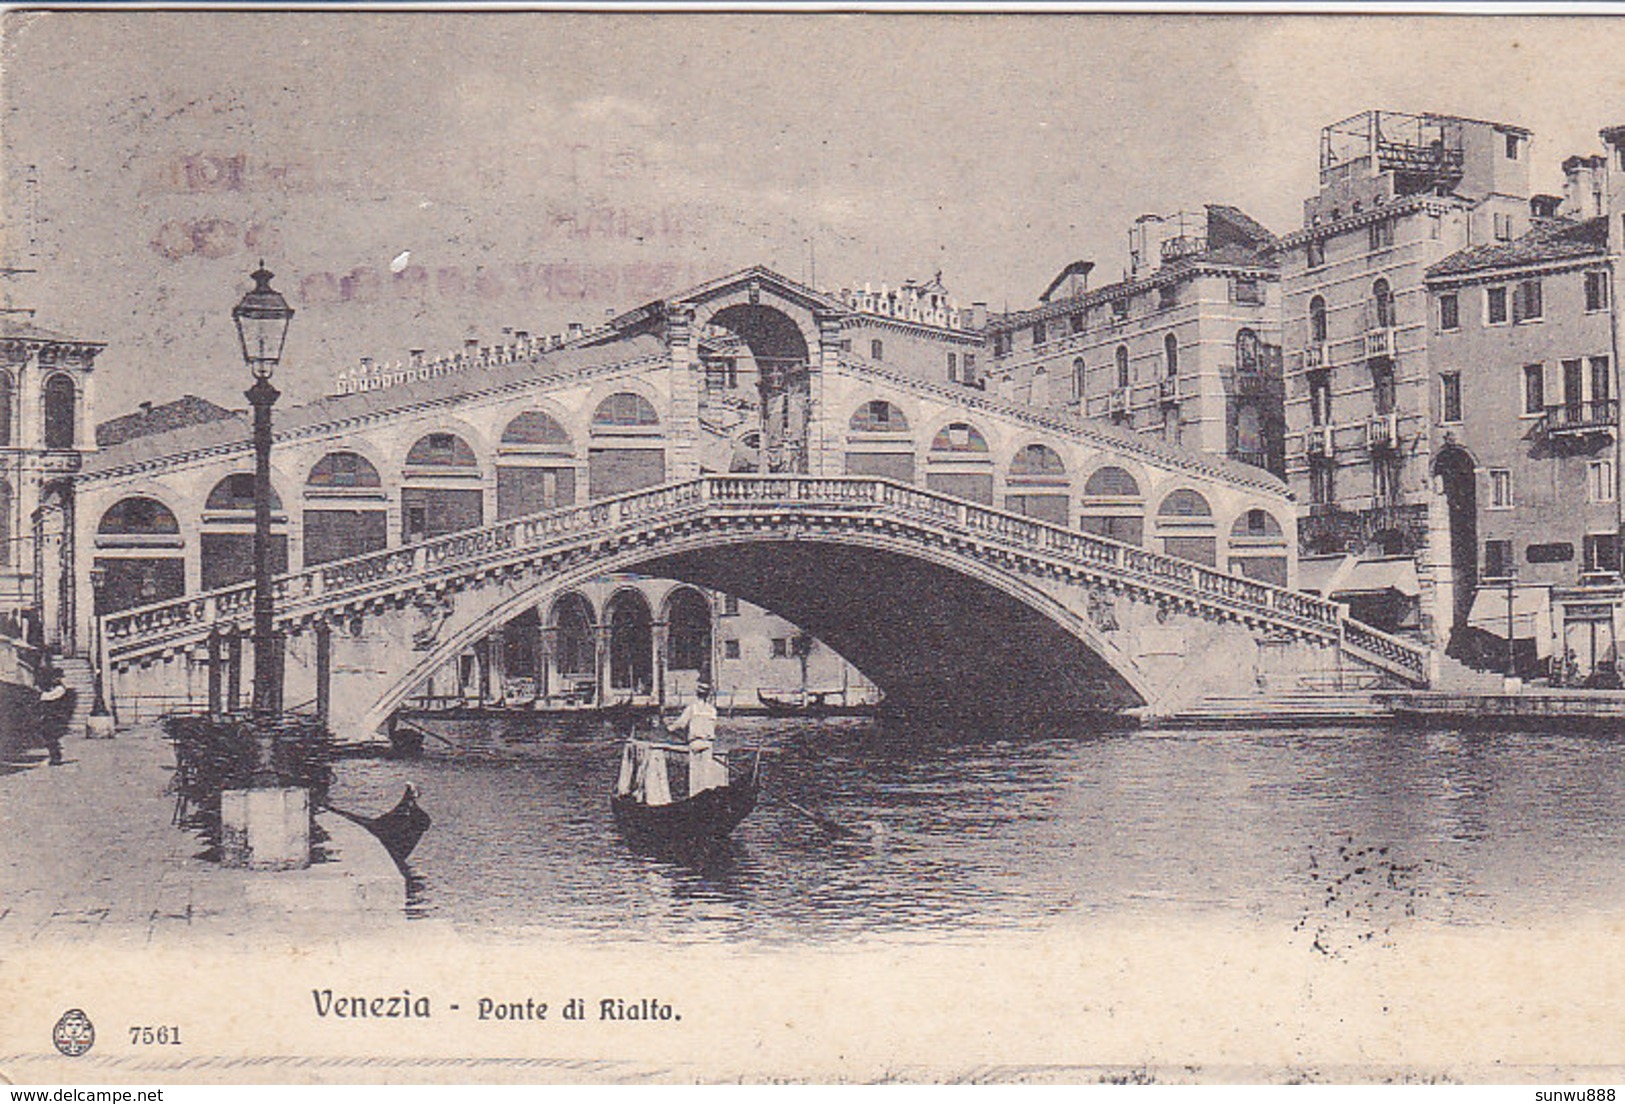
point(262, 326)
point(100, 724)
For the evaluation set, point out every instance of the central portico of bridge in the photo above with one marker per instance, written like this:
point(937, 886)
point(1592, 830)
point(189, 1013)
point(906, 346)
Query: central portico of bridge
point(965, 552)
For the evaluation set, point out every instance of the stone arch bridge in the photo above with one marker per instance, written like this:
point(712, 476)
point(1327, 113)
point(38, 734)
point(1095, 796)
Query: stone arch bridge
point(965, 552)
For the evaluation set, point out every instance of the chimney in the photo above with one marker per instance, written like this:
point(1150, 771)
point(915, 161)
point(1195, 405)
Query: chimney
point(415, 357)
point(471, 345)
point(146, 407)
point(1584, 183)
point(522, 336)
point(575, 330)
point(366, 364)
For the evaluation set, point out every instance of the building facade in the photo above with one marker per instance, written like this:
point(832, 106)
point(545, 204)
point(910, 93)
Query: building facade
point(1398, 193)
point(1524, 340)
point(1186, 348)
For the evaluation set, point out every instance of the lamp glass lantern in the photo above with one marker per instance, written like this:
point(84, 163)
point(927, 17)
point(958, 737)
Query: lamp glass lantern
point(262, 324)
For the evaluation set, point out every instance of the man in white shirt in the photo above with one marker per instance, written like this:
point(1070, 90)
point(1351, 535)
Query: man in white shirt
point(699, 719)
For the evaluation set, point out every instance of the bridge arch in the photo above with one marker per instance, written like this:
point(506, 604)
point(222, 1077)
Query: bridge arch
point(140, 542)
point(1047, 633)
point(442, 487)
point(630, 624)
point(879, 441)
point(1186, 527)
point(226, 535)
point(959, 460)
point(1113, 503)
point(1037, 484)
point(571, 627)
point(345, 508)
point(773, 331)
point(536, 463)
point(627, 439)
point(686, 612)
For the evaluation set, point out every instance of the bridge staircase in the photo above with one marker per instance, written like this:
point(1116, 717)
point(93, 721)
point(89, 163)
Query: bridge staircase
point(612, 529)
point(78, 677)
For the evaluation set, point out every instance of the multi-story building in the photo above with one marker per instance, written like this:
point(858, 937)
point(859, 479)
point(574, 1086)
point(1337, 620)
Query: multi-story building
point(1186, 347)
point(1524, 349)
point(1398, 193)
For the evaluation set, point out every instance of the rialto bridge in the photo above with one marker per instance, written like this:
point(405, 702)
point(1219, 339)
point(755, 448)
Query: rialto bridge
point(964, 552)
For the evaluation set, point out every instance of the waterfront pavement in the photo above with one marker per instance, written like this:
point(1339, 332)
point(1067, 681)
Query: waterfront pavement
point(89, 852)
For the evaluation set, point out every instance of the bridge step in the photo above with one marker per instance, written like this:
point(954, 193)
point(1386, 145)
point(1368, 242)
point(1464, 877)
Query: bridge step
point(76, 676)
point(1288, 708)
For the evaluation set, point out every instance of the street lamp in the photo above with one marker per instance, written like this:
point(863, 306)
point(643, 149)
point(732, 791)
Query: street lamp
point(262, 326)
point(100, 723)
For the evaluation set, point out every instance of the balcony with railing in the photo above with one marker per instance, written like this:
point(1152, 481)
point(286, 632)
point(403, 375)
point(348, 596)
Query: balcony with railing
point(1382, 432)
point(1578, 419)
point(1168, 391)
point(1379, 342)
point(1316, 356)
point(1319, 440)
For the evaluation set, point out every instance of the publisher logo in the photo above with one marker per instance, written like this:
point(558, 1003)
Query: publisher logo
point(74, 1033)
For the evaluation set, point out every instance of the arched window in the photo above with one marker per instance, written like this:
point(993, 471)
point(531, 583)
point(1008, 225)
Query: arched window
point(533, 427)
point(1037, 460)
point(344, 470)
point(5, 408)
point(1383, 299)
point(1185, 504)
point(1185, 526)
point(59, 412)
point(1038, 485)
point(1258, 548)
point(535, 469)
point(625, 409)
point(226, 545)
point(1112, 506)
point(1248, 354)
point(1170, 354)
point(236, 492)
point(575, 648)
point(631, 642)
point(441, 450)
point(889, 459)
point(878, 416)
point(1111, 482)
point(138, 517)
point(959, 437)
point(1317, 320)
point(1122, 365)
point(144, 554)
point(1077, 377)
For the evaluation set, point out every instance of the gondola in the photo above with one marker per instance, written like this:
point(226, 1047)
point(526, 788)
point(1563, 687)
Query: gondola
point(693, 827)
point(812, 703)
point(400, 829)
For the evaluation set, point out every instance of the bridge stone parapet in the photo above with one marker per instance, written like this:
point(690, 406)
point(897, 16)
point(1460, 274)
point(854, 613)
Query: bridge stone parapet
point(1119, 602)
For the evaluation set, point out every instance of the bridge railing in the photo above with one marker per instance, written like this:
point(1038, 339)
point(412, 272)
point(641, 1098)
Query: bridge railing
point(512, 539)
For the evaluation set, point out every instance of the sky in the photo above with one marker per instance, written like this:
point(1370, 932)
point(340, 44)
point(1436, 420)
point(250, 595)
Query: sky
point(417, 179)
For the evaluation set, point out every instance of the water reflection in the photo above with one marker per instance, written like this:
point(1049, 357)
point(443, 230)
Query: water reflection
point(866, 828)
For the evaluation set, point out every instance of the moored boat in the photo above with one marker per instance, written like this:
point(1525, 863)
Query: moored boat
point(813, 703)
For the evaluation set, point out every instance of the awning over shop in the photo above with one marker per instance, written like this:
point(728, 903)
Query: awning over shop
point(1531, 614)
point(1377, 577)
point(1316, 573)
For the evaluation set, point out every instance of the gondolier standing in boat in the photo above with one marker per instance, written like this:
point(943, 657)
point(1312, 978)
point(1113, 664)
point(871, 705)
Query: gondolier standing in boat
point(699, 720)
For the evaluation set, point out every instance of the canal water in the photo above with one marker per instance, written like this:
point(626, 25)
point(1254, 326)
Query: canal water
point(867, 828)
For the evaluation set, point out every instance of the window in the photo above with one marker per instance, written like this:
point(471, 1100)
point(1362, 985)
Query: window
point(1500, 489)
point(1382, 386)
point(1600, 481)
point(1248, 352)
point(343, 469)
point(1514, 146)
point(1246, 289)
point(1450, 397)
point(1602, 380)
point(1497, 559)
point(1119, 310)
point(58, 409)
point(1502, 226)
point(1039, 334)
point(1573, 388)
point(1534, 389)
point(1077, 323)
point(1596, 291)
point(1320, 398)
point(1170, 352)
point(878, 416)
point(1122, 366)
point(730, 605)
point(1526, 305)
point(624, 409)
point(730, 649)
point(781, 647)
point(1168, 296)
point(1321, 489)
point(1077, 378)
point(1381, 234)
point(1495, 305)
point(953, 367)
point(5, 408)
point(1602, 552)
point(970, 369)
point(1383, 299)
point(877, 349)
point(1317, 254)
point(1317, 320)
point(1449, 311)
point(1556, 552)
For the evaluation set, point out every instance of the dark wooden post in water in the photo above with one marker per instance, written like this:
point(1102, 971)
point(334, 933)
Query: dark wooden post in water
point(324, 671)
point(214, 674)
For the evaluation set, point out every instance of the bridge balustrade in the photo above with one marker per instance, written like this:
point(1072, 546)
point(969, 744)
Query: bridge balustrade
point(642, 511)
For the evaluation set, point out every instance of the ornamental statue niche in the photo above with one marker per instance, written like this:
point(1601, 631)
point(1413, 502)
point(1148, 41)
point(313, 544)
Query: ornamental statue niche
point(1102, 609)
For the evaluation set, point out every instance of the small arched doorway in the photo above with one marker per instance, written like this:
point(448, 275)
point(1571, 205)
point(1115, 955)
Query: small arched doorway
point(1457, 476)
point(573, 669)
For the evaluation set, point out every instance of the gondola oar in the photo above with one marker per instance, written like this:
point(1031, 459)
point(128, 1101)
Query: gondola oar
point(832, 827)
point(400, 829)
